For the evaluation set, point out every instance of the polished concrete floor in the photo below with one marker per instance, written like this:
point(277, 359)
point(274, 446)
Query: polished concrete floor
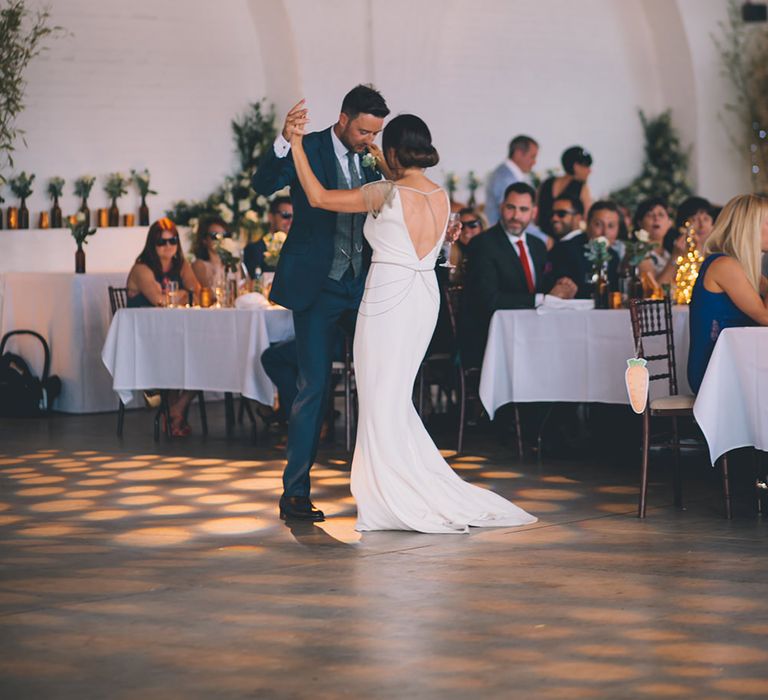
point(134, 569)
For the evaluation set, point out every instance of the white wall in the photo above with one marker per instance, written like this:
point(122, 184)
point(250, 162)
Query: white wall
point(145, 83)
point(154, 83)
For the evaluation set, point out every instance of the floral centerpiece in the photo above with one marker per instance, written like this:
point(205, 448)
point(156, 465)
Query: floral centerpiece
point(141, 179)
point(55, 190)
point(80, 229)
point(274, 243)
point(116, 185)
point(598, 252)
point(638, 247)
point(229, 251)
point(21, 186)
point(83, 187)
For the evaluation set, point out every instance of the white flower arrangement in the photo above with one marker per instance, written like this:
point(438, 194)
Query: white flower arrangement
point(226, 213)
point(274, 243)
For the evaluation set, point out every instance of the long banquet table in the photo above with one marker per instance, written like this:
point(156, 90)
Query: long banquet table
point(732, 404)
point(72, 313)
point(200, 349)
point(567, 355)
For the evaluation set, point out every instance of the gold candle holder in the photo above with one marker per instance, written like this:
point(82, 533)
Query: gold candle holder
point(45, 221)
point(13, 217)
point(129, 219)
point(103, 218)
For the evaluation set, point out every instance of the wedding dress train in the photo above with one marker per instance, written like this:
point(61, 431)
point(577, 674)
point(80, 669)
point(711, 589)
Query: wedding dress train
point(400, 480)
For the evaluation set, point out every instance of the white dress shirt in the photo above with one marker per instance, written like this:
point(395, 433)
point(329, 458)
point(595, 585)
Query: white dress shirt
point(520, 176)
point(282, 147)
point(513, 239)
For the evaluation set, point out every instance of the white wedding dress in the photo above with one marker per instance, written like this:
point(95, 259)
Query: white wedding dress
point(400, 480)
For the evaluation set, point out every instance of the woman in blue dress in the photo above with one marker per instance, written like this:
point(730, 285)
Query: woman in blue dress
point(730, 289)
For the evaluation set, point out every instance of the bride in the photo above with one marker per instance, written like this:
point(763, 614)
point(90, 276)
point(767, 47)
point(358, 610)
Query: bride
point(399, 479)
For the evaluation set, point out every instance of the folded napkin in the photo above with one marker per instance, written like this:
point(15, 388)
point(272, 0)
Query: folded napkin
point(551, 303)
point(252, 300)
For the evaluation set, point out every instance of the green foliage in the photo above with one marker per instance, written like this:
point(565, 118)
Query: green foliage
point(79, 228)
point(254, 133)
point(116, 185)
point(665, 167)
point(141, 179)
point(55, 187)
point(234, 200)
point(83, 186)
point(22, 35)
point(21, 185)
point(744, 55)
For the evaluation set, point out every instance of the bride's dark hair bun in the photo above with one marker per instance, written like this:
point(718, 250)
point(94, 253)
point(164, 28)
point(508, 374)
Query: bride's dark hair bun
point(410, 137)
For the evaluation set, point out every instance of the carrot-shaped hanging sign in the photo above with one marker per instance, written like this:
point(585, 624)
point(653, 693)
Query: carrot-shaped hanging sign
point(637, 380)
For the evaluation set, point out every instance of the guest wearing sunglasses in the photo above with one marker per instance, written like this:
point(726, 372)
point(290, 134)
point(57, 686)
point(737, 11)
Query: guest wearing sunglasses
point(207, 265)
point(280, 218)
point(472, 225)
point(577, 163)
point(161, 262)
point(566, 220)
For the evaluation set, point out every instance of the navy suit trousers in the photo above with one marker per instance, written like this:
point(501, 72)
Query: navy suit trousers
point(316, 331)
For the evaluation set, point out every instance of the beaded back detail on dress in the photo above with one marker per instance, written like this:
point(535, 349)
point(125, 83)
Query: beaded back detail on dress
point(399, 478)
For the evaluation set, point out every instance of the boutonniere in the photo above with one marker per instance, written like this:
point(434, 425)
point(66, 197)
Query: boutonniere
point(369, 161)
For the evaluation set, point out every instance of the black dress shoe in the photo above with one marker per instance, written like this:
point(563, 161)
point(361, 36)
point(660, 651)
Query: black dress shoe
point(299, 508)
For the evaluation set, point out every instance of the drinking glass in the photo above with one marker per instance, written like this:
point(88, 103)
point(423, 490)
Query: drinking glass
point(453, 221)
point(172, 290)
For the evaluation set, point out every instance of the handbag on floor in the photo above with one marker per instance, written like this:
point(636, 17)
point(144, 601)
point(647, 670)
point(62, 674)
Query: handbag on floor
point(22, 394)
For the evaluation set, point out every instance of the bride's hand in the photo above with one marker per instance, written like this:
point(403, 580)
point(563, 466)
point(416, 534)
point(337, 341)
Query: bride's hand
point(295, 117)
point(381, 162)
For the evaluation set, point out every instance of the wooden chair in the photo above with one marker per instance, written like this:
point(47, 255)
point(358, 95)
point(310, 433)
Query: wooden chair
point(118, 299)
point(653, 319)
point(346, 370)
point(467, 379)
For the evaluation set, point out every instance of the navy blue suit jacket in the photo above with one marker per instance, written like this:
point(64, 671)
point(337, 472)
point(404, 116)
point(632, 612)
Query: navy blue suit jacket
point(307, 254)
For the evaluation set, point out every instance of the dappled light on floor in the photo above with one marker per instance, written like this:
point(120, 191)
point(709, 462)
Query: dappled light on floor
point(181, 563)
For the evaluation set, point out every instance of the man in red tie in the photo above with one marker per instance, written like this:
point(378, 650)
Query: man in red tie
point(507, 269)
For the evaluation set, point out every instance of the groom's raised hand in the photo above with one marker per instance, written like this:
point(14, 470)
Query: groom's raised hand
point(296, 118)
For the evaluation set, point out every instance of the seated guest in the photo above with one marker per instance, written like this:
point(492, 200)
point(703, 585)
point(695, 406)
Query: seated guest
point(161, 262)
point(729, 287)
point(661, 265)
point(471, 227)
point(506, 269)
point(207, 266)
point(577, 164)
point(521, 158)
point(280, 218)
point(569, 258)
point(698, 212)
point(566, 219)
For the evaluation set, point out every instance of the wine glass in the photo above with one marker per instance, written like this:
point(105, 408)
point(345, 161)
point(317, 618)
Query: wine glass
point(453, 222)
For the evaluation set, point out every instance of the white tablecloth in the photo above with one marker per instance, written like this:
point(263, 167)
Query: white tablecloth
point(72, 313)
point(732, 404)
point(208, 349)
point(53, 250)
point(568, 355)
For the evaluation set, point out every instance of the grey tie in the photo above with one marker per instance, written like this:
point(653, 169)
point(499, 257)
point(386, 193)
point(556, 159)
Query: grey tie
point(354, 175)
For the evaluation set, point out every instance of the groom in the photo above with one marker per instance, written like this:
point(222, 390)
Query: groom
point(322, 268)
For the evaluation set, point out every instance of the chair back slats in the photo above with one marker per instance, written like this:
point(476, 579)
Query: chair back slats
point(653, 318)
point(118, 298)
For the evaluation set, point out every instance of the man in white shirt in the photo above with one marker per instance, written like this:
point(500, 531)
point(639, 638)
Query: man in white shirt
point(523, 151)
